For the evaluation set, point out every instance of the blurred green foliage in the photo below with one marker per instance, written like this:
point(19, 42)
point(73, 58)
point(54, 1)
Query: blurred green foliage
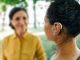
point(14, 2)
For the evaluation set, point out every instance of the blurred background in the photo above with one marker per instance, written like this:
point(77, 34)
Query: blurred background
point(37, 11)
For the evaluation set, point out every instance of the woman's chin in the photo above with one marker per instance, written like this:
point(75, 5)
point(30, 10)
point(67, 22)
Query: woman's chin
point(20, 30)
point(49, 38)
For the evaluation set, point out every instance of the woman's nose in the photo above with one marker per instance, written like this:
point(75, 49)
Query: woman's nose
point(21, 21)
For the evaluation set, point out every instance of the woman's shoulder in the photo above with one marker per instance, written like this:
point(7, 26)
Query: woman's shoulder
point(79, 55)
point(32, 35)
point(6, 38)
point(52, 57)
point(78, 58)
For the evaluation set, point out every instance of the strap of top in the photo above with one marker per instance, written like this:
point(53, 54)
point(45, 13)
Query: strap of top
point(78, 58)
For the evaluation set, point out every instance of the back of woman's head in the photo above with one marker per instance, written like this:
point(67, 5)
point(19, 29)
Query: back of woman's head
point(67, 12)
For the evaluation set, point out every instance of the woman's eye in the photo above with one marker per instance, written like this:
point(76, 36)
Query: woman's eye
point(24, 18)
point(17, 19)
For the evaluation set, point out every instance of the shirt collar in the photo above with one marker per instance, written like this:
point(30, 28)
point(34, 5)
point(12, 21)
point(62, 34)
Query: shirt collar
point(15, 36)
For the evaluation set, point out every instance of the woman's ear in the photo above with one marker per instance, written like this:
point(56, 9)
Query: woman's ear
point(11, 22)
point(56, 28)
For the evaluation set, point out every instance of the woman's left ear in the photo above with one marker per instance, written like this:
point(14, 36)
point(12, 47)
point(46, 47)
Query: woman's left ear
point(57, 27)
point(11, 22)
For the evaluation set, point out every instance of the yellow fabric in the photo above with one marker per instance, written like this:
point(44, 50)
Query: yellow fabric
point(26, 48)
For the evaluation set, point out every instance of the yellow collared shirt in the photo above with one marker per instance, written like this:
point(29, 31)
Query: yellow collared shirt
point(26, 48)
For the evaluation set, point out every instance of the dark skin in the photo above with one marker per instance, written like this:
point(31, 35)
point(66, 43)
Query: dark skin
point(66, 45)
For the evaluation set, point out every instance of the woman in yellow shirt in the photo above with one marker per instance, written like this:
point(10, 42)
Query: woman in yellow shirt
point(21, 45)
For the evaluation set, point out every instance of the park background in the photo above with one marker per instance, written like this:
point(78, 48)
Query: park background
point(37, 11)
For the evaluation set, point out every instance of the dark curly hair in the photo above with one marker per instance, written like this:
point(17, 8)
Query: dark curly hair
point(13, 11)
point(67, 12)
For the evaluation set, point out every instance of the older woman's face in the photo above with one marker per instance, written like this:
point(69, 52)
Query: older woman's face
point(20, 20)
point(48, 29)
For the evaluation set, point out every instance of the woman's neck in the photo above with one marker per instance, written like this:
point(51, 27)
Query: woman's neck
point(19, 33)
point(68, 49)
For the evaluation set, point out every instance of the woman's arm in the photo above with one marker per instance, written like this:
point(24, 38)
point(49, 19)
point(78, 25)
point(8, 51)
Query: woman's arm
point(40, 54)
point(3, 48)
point(3, 57)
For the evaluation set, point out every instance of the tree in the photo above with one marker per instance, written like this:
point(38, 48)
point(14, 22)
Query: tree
point(10, 2)
point(4, 13)
point(34, 9)
point(13, 2)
